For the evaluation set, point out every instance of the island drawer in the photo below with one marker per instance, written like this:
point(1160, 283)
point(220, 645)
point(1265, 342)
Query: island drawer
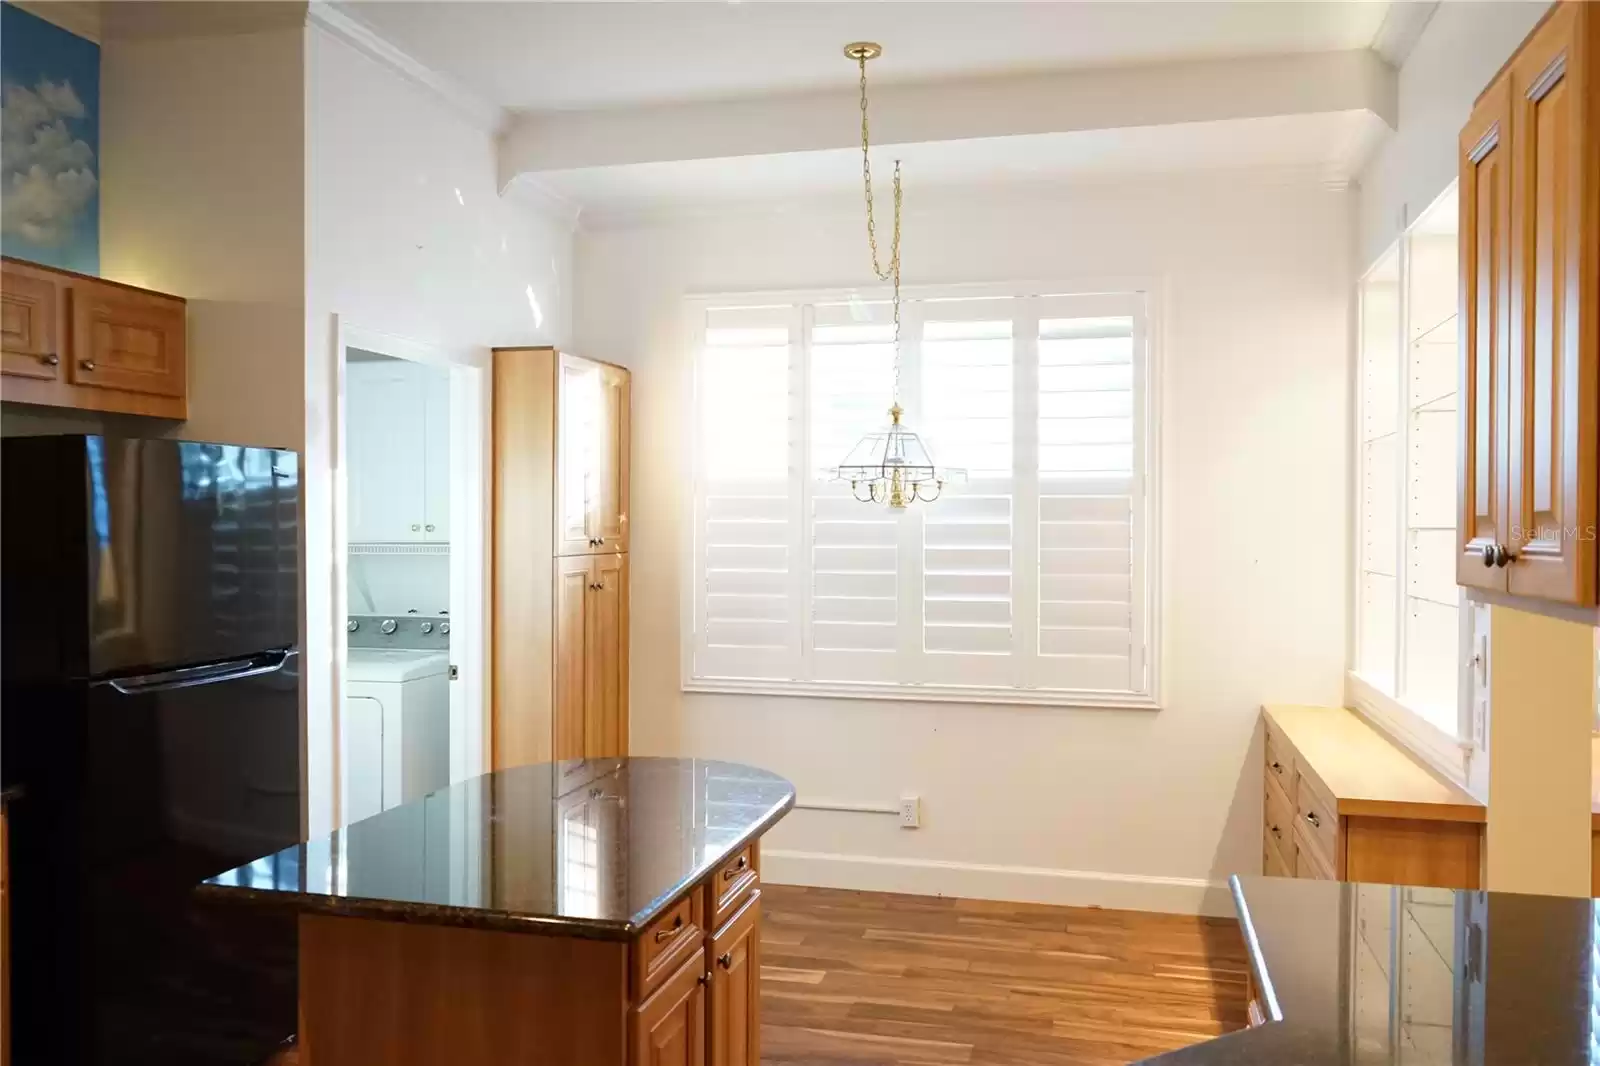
point(674, 936)
point(733, 883)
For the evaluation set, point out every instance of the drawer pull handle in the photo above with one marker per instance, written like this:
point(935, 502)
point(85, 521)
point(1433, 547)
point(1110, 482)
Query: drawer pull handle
point(1311, 816)
point(663, 935)
point(736, 869)
point(725, 960)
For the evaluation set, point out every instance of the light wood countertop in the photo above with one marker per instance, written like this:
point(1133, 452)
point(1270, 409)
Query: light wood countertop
point(1365, 772)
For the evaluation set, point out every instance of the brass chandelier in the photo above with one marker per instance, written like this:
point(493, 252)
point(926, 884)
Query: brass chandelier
point(888, 465)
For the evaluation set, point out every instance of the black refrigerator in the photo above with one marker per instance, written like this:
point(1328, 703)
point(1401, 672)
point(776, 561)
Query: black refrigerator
point(150, 738)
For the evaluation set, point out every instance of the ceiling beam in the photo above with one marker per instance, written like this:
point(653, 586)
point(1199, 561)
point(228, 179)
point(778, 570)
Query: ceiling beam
point(1165, 94)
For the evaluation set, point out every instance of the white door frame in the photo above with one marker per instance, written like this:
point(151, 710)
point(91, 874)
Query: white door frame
point(470, 413)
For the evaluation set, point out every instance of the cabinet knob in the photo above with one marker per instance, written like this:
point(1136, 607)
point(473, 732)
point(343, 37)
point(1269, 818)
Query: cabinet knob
point(1311, 816)
point(705, 978)
point(1488, 554)
point(429, 527)
point(1502, 555)
point(1277, 767)
point(416, 527)
point(87, 364)
point(50, 359)
point(725, 960)
point(1275, 831)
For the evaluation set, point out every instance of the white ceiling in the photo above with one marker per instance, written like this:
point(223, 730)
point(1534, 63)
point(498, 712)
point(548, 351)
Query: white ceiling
point(550, 56)
point(1328, 145)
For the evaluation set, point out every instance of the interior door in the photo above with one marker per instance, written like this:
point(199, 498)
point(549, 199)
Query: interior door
point(1552, 382)
point(610, 519)
point(29, 345)
point(1485, 195)
point(606, 669)
point(574, 575)
point(384, 444)
point(578, 395)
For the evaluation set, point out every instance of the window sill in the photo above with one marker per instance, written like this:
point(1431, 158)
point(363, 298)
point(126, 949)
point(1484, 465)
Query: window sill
point(926, 693)
point(1446, 755)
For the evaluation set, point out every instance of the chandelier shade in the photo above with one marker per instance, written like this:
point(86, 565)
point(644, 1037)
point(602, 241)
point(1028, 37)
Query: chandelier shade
point(891, 466)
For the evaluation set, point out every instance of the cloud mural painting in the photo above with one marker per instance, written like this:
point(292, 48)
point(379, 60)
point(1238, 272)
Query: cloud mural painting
point(49, 137)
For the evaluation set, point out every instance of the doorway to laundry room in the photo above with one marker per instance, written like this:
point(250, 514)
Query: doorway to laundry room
point(410, 720)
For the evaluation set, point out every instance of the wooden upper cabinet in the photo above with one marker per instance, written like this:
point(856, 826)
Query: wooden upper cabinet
point(1530, 299)
point(734, 1024)
point(127, 340)
point(669, 1027)
point(592, 427)
point(1485, 199)
point(610, 504)
point(71, 340)
point(29, 324)
point(1553, 379)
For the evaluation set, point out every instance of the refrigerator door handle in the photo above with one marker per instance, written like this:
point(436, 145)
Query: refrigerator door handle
point(268, 662)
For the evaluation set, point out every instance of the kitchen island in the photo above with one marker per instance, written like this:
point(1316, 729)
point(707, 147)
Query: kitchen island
point(1347, 974)
point(599, 912)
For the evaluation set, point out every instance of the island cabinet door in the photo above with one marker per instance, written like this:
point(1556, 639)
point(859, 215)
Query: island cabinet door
point(735, 1024)
point(669, 1027)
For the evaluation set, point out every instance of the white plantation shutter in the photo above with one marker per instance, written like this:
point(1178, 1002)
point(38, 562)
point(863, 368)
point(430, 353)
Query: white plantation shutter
point(1090, 634)
point(854, 627)
point(967, 415)
point(1030, 579)
point(746, 622)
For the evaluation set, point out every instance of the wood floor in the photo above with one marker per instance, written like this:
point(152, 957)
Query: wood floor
point(868, 979)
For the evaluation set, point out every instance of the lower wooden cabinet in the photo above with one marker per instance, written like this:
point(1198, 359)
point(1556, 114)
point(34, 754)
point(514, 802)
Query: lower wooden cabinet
point(591, 657)
point(69, 340)
point(1343, 803)
point(735, 965)
point(669, 1028)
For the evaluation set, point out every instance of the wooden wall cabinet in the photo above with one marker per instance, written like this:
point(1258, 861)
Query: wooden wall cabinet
point(1530, 297)
point(560, 643)
point(1342, 803)
point(69, 340)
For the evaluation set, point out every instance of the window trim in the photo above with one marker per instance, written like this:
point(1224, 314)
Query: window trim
point(1452, 756)
point(1151, 449)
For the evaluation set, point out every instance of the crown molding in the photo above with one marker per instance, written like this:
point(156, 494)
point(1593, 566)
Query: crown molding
point(529, 191)
point(333, 18)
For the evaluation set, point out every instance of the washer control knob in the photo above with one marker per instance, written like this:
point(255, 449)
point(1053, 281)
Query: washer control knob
point(388, 626)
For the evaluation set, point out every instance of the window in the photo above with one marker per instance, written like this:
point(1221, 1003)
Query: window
point(1029, 583)
point(1410, 616)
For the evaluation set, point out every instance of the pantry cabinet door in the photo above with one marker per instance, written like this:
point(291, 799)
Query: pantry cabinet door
point(606, 671)
point(1485, 196)
point(1553, 383)
point(578, 396)
point(610, 474)
point(574, 578)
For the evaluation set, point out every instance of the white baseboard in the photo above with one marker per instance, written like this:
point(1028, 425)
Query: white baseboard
point(1019, 884)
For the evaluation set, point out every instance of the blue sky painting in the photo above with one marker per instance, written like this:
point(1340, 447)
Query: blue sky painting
point(49, 143)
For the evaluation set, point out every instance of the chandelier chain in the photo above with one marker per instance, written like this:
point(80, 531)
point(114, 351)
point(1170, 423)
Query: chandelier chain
point(891, 273)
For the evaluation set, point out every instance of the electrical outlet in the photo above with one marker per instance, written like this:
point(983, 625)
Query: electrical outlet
point(910, 812)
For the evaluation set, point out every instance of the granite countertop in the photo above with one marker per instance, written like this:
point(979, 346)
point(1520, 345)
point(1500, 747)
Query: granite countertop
point(591, 849)
point(1352, 974)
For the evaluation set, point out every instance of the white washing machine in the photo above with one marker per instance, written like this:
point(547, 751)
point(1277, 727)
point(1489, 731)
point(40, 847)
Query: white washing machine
point(396, 728)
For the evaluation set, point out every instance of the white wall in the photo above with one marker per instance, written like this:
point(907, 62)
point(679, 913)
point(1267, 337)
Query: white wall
point(1086, 806)
point(1458, 53)
point(406, 235)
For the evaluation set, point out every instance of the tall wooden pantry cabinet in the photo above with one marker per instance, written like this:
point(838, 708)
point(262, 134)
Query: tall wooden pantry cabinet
point(1529, 470)
point(560, 647)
